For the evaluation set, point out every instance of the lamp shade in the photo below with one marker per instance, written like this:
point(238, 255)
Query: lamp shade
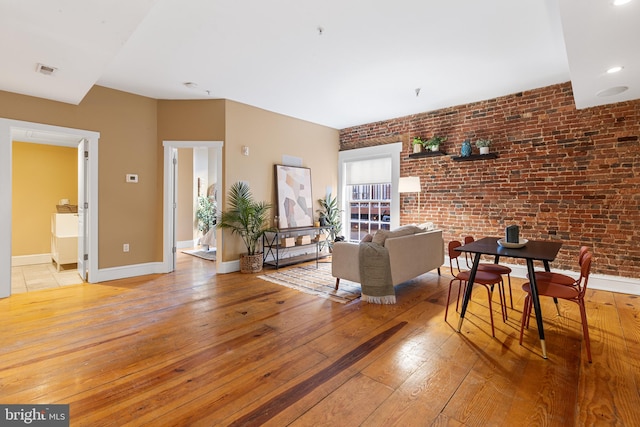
point(409, 184)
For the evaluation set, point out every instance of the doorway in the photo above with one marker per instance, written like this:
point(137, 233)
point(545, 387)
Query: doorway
point(171, 194)
point(11, 130)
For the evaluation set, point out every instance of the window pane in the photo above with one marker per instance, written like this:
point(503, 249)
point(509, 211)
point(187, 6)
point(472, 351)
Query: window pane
point(370, 209)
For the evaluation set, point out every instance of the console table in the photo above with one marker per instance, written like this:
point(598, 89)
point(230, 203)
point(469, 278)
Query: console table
point(273, 249)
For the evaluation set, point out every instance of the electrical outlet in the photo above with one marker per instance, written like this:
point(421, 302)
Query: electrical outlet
point(125, 247)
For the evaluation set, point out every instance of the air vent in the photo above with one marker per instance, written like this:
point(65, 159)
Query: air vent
point(47, 70)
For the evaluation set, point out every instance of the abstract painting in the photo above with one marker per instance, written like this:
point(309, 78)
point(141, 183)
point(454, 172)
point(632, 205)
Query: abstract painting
point(295, 201)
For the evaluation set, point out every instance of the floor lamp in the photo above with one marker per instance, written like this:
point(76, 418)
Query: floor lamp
point(410, 184)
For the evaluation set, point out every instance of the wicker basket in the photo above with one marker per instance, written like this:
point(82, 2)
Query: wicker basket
point(251, 263)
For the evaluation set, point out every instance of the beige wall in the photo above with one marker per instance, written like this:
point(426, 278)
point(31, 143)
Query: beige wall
point(269, 136)
point(128, 213)
point(132, 129)
point(41, 176)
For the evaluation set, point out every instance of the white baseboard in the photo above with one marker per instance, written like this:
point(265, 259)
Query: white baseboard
point(19, 260)
point(228, 267)
point(114, 273)
point(603, 282)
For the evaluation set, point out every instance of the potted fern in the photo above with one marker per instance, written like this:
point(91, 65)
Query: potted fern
point(249, 219)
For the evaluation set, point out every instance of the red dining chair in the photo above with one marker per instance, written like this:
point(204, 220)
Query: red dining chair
point(492, 268)
point(574, 292)
point(559, 278)
point(484, 278)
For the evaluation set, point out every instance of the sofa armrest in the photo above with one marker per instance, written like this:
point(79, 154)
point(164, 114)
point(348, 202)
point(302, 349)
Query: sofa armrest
point(345, 261)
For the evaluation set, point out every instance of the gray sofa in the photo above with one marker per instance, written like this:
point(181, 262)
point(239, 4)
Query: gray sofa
point(410, 255)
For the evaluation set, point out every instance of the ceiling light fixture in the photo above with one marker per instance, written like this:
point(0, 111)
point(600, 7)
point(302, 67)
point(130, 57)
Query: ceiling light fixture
point(418, 91)
point(191, 85)
point(320, 31)
point(613, 70)
point(613, 91)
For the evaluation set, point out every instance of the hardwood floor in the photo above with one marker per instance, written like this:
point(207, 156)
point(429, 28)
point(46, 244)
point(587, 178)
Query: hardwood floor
point(192, 348)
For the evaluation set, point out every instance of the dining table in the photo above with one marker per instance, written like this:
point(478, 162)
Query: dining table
point(529, 250)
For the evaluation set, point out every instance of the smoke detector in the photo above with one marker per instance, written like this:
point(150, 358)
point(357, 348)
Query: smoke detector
point(47, 70)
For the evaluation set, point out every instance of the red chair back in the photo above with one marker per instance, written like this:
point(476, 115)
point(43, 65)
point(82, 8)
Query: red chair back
point(453, 255)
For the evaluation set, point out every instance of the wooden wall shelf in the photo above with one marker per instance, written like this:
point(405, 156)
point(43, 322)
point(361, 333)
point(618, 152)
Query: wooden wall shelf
point(475, 157)
point(427, 154)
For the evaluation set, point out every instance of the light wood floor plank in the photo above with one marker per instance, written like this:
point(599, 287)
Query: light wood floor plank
point(195, 348)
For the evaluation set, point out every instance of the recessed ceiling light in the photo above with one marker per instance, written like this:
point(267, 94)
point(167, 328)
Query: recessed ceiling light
point(613, 91)
point(620, 2)
point(191, 85)
point(613, 70)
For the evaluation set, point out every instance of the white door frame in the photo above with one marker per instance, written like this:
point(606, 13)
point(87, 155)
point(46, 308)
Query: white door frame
point(7, 128)
point(170, 196)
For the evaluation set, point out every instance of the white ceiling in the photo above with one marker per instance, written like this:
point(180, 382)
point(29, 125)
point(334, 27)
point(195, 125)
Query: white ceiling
point(364, 66)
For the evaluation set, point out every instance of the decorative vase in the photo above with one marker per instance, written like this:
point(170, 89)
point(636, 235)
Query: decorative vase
point(435, 147)
point(466, 148)
point(484, 150)
point(417, 148)
point(250, 263)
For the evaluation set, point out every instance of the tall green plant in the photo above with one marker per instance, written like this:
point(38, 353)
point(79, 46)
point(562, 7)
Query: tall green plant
point(245, 217)
point(330, 214)
point(206, 214)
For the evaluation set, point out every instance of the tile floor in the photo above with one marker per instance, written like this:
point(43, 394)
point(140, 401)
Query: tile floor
point(29, 278)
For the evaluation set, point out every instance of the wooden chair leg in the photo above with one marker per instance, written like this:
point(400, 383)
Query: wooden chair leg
point(337, 282)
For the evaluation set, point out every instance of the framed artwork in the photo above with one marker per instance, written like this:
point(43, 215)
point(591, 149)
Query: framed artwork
point(295, 200)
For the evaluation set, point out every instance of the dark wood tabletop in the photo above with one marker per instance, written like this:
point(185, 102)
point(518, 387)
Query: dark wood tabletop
point(543, 250)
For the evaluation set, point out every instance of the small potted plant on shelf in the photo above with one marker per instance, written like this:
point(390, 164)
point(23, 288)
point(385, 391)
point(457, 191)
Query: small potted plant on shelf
point(249, 219)
point(483, 145)
point(417, 144)
point(434, 143)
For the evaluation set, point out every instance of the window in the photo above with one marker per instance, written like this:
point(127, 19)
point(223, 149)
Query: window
point(369, 210)
point(368, 189)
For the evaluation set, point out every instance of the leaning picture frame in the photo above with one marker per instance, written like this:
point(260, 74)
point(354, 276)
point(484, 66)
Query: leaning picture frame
point(295, 199)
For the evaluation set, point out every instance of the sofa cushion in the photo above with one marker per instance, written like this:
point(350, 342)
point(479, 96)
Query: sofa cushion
point(367, 238)
point(382, 235)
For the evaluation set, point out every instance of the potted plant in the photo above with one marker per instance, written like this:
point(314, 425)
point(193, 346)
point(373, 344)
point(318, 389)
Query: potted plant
point(206, 216)
point(249, 219)
point(434, 142)
point(417, 144)
point(483, 145)
point(329, 214)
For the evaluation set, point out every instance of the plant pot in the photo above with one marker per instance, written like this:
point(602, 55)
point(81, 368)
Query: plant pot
point(251, 263)
point(417, 148)
point(435, 148)
point(484, 150)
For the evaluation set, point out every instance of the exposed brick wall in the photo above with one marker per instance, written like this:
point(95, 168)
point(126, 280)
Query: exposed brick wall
point(561, 173)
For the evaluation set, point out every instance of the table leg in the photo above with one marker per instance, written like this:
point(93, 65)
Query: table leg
point(467, 292)
point(536, 305)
